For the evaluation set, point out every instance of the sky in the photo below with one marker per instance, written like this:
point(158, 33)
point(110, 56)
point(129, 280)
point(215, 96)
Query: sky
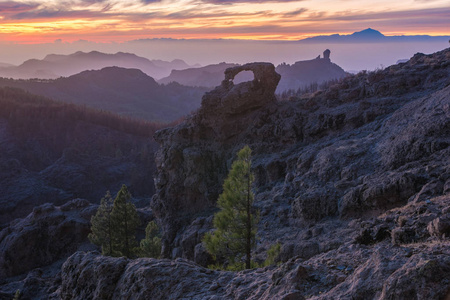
point(119, 21)
point(212, 31)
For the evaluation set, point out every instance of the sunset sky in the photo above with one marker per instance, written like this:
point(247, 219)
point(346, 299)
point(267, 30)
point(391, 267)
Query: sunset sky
point(125, 20)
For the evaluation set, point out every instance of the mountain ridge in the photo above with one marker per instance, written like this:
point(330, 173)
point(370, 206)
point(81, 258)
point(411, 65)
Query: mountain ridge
point(128, 92)
point(53, 66)
point(370, 35)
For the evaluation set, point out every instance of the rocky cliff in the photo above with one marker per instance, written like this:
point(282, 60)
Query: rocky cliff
point(373, 142)
point(353, 182)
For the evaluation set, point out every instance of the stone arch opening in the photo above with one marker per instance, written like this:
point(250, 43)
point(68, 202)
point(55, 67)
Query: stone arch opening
point(243, 76)
point(264, 75)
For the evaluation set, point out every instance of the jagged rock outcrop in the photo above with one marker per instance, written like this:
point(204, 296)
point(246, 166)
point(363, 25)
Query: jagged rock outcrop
point(46, 235)
point(299, 75)
point(33, 249)
point(195, 163)
point(303, 74)
point(370, 143)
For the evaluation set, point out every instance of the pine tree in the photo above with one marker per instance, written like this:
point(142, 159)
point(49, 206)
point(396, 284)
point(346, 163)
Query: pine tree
point(101, 228)
point(114, 225)
point(125, 220)
point(151, 245)
point(235, 223)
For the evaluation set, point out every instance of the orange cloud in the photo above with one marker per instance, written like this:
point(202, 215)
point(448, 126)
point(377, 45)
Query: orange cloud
point(111, 20)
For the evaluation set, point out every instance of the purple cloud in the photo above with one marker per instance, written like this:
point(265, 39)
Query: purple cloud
point(7, 7)
point(229, 2)
point(296, 12)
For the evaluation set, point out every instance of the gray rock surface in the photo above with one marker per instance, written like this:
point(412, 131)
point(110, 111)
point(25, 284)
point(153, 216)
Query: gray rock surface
point(372, 142)
point(46, 235)
point(381, 270)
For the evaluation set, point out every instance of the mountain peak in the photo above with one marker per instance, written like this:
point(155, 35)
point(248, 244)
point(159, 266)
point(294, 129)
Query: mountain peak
point(369, 32)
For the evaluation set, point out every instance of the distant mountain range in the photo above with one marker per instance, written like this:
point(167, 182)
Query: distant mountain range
point(128, 92)
point(54, 66)
point(371, 35)
point(208, 76)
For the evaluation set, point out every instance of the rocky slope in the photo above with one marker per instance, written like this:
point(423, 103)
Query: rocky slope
point(32, 248)
point(338, 259)
point(373, 142)
point(353, 182)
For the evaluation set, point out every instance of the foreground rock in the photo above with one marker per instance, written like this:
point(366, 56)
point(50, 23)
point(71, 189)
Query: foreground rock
point(48, 234)
point(381, 267)
point(33, 249)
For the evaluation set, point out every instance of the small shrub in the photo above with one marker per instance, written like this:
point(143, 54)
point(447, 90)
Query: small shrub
point(151, 244)
point(272, 254)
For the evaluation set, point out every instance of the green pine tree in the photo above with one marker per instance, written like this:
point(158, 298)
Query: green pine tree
point(151, 245)
point(125, 221)
point(101, 228)
point(235, 223)
point(17, 295)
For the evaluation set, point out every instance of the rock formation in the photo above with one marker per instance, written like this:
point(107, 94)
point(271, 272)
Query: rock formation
point(326, 54)
point(353, 182)
point(192, 168)
point(303, 74)
point(46, 235)
point(356, 149)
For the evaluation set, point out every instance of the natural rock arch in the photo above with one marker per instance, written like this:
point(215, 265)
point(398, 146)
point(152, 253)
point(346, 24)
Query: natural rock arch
point(264, 74)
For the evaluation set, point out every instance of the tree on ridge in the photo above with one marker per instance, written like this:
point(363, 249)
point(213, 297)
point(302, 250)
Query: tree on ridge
point(235, 223)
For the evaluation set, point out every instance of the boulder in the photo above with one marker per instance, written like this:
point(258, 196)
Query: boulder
point(46, 235)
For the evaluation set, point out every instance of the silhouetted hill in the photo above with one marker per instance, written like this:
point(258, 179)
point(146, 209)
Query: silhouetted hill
point(53, 152)
point(54, 65)
point(128, 92)
point(304, 73)
point(368, 33)
point(2, 65)
point(371, 35)
point(207, 76)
